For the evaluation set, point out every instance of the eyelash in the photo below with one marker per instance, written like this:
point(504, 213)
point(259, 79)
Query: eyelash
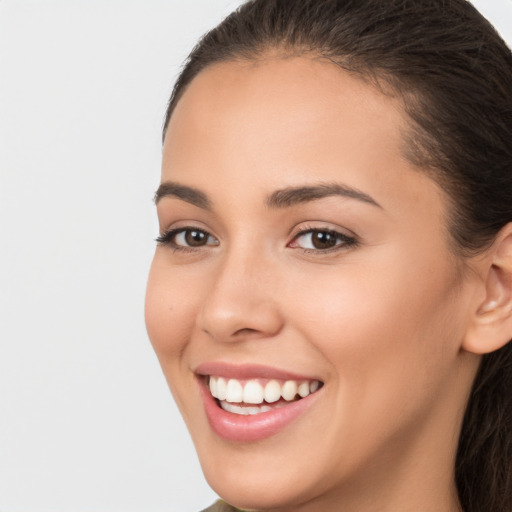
point(168, 239)
point(343, 242)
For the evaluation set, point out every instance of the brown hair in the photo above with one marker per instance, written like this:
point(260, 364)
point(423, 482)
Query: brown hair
point(453, 73)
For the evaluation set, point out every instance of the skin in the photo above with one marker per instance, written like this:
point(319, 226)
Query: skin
point(381, 323)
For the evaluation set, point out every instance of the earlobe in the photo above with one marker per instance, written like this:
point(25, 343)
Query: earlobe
point(491, 324)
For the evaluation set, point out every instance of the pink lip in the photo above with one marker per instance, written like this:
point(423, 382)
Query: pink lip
point(247, 371)
point(235, 427)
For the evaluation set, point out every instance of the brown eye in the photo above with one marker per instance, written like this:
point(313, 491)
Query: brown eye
point(195, 238)
point(190, 238)
point(322, 240)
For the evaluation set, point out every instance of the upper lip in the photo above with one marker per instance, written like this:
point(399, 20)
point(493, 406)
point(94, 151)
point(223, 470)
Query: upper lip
point(247, 371)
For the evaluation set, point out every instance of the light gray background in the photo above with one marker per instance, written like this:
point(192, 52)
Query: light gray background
point(86, 420)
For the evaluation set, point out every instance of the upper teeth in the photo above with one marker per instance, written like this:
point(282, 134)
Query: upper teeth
point(255, 392)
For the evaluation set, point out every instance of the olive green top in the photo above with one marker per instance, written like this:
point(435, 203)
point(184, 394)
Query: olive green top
point(222, 506)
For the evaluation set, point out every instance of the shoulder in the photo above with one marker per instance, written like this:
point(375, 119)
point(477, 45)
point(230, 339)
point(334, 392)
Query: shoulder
point(221, 506)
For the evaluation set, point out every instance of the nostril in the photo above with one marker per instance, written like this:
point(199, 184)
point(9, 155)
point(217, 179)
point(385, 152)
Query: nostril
point(245, 331)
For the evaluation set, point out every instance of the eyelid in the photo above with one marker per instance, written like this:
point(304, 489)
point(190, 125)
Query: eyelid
point(345, 240)
point(167, 238)
point(308, 226)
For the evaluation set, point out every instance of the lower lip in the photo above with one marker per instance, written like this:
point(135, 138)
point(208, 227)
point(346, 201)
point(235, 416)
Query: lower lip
point(235, 427)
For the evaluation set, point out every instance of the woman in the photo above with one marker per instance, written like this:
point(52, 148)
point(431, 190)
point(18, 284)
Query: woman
point(331, 294)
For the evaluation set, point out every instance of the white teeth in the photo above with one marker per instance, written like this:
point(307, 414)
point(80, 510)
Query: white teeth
point(272, 391)
point(289, 390)
point(213, 386)
point(303, 389)
point(236, 409)
point(221, 388)
point(234, 391)
point(244, 411)
point(253, 392)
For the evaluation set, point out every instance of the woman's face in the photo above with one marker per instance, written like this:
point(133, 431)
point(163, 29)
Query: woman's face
point(300, 248)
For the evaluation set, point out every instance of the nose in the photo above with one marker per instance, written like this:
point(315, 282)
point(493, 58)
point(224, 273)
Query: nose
point(241, 301)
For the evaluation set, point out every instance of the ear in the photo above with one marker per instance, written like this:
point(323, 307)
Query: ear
point(491, 324)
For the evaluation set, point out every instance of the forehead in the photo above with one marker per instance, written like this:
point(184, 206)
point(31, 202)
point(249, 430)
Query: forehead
point(277, 102)
point(266, 124)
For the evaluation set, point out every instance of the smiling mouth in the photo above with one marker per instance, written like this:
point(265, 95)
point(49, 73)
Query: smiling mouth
point(257, 396)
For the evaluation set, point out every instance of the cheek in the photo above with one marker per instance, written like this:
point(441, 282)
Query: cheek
point(391, 333)
point(169, 312)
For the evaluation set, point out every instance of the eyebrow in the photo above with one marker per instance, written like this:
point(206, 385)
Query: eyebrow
point(283, 198)
point(189, 194)
point(292, 196)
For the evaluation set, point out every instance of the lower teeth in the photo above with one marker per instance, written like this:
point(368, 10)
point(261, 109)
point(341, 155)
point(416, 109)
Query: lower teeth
point(246, 411)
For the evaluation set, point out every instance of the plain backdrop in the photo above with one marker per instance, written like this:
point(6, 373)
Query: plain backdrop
point(86, 421)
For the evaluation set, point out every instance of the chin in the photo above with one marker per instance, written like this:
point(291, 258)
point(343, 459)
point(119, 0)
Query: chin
point(262, 479)
point(256, 492)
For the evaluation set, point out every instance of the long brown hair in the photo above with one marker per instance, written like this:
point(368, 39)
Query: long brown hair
point(453, 73)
